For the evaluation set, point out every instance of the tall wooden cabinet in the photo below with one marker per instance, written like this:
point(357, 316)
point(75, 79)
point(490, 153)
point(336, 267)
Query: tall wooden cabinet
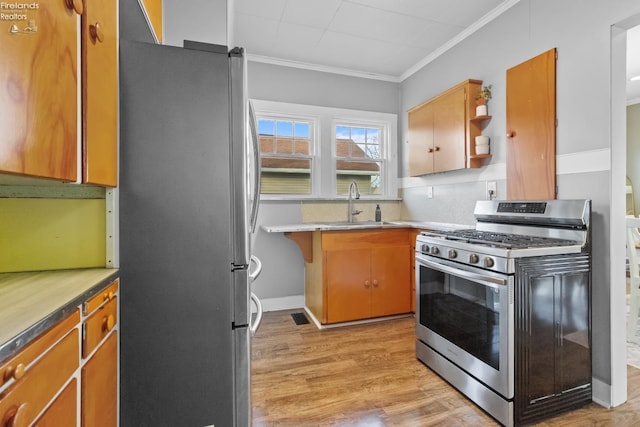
point(442, 131)
point(100, 93)
point(46, 120)
point(531, 129)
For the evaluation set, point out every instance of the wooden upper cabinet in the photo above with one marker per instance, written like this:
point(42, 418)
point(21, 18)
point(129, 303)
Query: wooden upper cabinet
point(442, 131)
point(449, 130)
point(531, 129)
point(100, 92)
point(39, 93)
point(153, 12)
point(421, 140)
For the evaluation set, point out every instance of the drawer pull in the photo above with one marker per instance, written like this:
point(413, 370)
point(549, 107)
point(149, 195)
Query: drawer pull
point(15, 373)
point(367, 284)
point(96, 32)
point(108, 322)
point(375, 283)
point(107, 296)
point(14, 416)
point(75, 5)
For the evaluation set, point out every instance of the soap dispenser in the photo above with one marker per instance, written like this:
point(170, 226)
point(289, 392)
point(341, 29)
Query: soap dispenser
point(378, 213)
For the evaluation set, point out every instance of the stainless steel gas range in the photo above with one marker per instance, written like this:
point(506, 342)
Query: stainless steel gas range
point(503, 311)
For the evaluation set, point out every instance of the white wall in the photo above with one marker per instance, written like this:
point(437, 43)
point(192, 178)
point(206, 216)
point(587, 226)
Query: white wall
point(282, 278)
point(199, 20)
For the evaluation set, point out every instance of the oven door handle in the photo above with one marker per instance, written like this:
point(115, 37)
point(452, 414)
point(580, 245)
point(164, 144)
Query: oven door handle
point(457, 271)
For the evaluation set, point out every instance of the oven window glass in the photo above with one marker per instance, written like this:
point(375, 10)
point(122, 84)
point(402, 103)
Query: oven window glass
point(463, 312)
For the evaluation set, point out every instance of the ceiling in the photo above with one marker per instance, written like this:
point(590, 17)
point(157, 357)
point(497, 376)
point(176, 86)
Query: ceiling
point(382, 39)
point(377, 38)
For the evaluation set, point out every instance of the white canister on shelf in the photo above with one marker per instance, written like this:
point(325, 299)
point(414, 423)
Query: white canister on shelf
point(482, 144)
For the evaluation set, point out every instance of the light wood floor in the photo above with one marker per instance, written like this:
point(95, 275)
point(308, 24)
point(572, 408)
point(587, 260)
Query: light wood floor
point(368, 376)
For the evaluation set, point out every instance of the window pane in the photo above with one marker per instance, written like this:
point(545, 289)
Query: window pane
point(365, 174)
point(358, 158)
point(301, 130)
point(285, 176)
point(285, 148)
point(266, 127)
point(285, 128)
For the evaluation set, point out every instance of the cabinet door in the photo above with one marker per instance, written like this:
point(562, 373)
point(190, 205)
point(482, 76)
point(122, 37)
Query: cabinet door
point(153, 12)
point(391, 281)
point(100, 92)
point(449, 131)
point(348, 284)
point(531, 130)
point(62, 412)
point(99, 386)
point(421, 140)
point(39, 93)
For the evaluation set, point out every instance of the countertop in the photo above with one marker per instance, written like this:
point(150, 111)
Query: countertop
point(332, 226)
point(31, 302)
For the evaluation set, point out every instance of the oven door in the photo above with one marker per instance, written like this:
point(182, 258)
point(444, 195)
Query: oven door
point(466, 315)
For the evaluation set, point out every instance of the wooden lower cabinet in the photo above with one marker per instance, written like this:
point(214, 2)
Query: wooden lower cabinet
point(63, 411)
point(99, 386)
point(365, 274)
point(46, 382)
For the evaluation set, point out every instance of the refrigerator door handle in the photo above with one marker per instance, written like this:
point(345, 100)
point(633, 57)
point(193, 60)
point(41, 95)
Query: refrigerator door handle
point(257, 168)
point(256, 323)
point(254, 275)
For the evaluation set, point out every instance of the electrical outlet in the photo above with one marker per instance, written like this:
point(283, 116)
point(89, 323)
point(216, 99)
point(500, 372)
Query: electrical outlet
point(492, 190)
point(430, 192)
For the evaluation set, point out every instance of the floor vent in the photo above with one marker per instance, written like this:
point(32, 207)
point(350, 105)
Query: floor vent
point(300, 318)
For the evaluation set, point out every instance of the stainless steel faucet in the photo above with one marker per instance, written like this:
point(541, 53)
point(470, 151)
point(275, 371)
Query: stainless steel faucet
point(351, 213)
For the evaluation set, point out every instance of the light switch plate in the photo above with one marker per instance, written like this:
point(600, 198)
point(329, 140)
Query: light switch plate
point(430, 192)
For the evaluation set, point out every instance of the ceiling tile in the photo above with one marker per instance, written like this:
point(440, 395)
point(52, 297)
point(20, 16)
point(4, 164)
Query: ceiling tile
point(313, 13)
point(271, 9)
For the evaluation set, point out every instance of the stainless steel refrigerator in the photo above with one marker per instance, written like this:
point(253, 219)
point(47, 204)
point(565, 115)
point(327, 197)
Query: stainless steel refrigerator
point(188, 202)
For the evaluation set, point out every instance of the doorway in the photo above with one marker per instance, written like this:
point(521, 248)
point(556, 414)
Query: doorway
point(619, 33)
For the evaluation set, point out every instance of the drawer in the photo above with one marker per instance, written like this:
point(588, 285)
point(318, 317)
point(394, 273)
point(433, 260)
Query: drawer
point(25, 399)
point(98, 325)
point(16, 366)
point(105, 295)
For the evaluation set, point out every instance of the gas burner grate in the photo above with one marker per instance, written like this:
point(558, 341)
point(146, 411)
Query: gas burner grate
point(503, 240)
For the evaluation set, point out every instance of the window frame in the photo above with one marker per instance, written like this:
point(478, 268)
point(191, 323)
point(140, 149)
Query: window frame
point(383, 159)
point(324, 173)
point(313, 148)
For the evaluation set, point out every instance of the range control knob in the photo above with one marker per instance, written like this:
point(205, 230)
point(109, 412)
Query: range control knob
point(453, 253)
point(488, 262)
point(424, 248)
point(473, 258)
point(435, 250)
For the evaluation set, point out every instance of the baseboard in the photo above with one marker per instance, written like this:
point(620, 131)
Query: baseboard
point(283, 303)
point(601, 393)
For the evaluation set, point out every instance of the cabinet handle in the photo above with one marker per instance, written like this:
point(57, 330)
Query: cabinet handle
point(367, 284)
point(96, 32)
point(107, 296)
point(75, 5)
point(375, 283)
point(15, 373)
point(14, 416)
point(108, 322)
point(437, 148)
point(511, 134)
point(430, 150)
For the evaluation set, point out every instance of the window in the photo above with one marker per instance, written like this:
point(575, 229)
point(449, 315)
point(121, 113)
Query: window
point(358, 152)
point(285, 150)
point(310, 152)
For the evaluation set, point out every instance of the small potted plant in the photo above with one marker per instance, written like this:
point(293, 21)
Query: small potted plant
point(482, 98)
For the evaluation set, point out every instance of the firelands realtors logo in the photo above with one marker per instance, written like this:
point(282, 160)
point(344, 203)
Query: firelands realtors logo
point(18, 15)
